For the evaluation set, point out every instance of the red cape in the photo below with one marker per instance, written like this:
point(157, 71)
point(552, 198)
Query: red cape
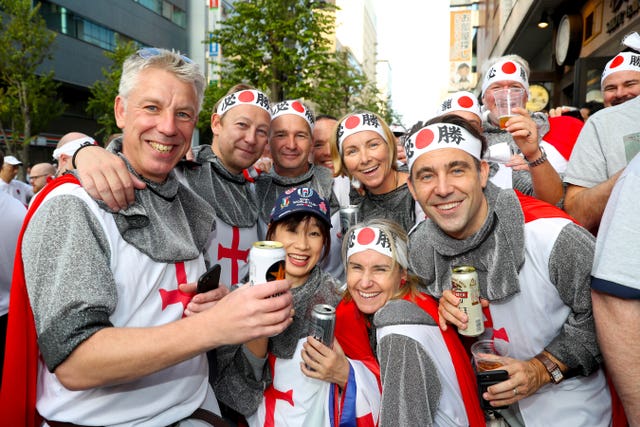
point(563, 133)
point(20, 372)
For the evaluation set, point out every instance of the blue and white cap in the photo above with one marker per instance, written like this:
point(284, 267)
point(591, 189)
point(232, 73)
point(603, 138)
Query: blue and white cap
point(301, 199)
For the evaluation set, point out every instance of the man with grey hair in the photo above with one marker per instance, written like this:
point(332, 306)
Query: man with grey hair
point(523, 131)
point(115, 345)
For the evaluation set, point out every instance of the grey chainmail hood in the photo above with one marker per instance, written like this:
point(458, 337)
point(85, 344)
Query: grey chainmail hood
point(270, 185)
point(230, 195)
point(397, 205)
point(166, 219)
point(320, 288)
point(496, 250)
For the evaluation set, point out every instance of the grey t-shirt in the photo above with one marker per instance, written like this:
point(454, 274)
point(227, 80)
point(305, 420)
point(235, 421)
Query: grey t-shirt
point(607, 143)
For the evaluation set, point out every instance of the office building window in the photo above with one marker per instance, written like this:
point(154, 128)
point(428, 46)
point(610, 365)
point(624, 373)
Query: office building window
point(64, 21)
point(166, 9)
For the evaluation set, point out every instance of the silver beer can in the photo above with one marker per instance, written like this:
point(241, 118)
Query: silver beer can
point(349, 216)
point(266, 262)
point(464, 282)
point(323, 322)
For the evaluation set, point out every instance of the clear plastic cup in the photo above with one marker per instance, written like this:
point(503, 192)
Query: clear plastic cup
point(506, 100)
point(489, 354)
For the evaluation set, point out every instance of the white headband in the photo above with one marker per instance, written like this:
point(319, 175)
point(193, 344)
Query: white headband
point(72, 146)
point(506, 70)
point(438, 136)
point(244, 97)
point(359, 123)
point(293, 107)
point(624, 61)
point(365, 238)
point(460, 101)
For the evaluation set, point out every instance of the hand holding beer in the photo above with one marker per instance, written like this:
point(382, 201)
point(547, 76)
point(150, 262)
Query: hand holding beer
point(324, 363)
point(449, 311)
point(506, 101)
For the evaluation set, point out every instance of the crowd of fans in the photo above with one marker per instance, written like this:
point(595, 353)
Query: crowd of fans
point(101, 255)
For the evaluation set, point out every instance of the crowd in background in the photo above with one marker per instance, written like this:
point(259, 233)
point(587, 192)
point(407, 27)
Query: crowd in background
point(103, 325)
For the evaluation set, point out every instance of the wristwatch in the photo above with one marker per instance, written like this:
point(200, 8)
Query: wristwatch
point(554, 370)
point(540, 160)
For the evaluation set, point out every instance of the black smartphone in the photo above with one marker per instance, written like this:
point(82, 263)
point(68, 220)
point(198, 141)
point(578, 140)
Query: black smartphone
point(486, 379)
point(209, 280)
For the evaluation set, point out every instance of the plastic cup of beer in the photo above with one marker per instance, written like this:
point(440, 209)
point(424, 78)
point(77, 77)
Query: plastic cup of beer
point(489, 354)
point(506, 101)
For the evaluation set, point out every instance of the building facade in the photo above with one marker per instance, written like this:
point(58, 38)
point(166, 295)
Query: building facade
point(568, 55)
point(85, 31)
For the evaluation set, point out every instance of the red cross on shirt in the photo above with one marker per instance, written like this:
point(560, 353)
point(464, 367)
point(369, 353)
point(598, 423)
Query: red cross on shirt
point(500, 333)
point(177, 296)
point(234, 254)
point(271, 395)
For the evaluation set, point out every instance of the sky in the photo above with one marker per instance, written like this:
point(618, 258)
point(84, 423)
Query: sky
point(414, 36)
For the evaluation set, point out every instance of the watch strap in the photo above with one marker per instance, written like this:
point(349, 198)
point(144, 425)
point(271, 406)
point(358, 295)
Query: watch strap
point(540, 160)
point(552, 368)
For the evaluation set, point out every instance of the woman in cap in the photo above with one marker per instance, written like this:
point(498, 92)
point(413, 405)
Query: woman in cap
point(425, 373)
point(300, 220)
point(365, 150)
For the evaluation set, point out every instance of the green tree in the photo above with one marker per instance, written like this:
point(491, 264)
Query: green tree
point(212, 94)
point(282, 47)
point(104, 92)
point(277, 45)
point(29, 101)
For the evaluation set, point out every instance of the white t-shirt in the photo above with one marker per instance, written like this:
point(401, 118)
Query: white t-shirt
point(12, 214)
point(616, 263)
point(17, 189)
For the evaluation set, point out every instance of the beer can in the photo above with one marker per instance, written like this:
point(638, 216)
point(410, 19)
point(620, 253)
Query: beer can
point(323, 321)
point(266, 262)
point(464, 281)
point(349, 216)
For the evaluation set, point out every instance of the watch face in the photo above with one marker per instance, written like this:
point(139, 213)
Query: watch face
point(538, 98)
point(557, 376)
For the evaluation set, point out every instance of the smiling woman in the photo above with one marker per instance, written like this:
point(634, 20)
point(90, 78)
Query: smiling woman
point(383, 313)
point(364, 149)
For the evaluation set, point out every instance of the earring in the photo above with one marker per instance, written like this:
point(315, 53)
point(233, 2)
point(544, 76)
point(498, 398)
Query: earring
point(403, 282)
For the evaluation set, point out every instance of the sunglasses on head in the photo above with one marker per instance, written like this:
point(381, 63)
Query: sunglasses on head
point(150, 52)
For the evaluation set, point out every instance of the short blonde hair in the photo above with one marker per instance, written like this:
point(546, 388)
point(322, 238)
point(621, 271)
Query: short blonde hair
point(336, 155)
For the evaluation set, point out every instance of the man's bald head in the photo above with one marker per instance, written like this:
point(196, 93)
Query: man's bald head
point(39, 174)
point(72, 136)
point(68, 145)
